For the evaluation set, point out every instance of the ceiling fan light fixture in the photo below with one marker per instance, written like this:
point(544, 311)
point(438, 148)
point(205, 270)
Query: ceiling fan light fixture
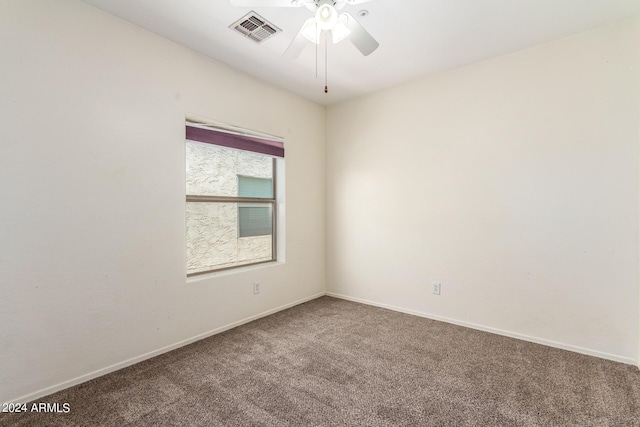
point(311, 31)
point(340, 31)
point(326, 16)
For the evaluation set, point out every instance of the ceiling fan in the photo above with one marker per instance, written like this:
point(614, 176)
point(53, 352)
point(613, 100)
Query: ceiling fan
point(326, 18)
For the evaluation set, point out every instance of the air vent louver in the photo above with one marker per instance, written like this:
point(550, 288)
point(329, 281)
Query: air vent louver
point(255, 27)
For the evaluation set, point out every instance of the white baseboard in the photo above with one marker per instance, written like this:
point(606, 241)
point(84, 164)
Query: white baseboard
point(100, 372)
point(103, 371)
point(549, 343)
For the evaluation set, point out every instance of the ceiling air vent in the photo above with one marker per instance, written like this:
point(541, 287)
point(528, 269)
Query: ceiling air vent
point(255, 27)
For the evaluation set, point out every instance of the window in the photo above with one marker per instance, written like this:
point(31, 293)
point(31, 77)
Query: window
point(254, 220)
point(231, 204)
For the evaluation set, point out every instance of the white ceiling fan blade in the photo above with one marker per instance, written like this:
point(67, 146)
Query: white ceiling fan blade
point(268, 3)
point(297, 45)
point(360, 37)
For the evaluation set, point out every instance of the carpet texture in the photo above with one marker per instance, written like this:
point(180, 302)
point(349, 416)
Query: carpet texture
point(331, 362)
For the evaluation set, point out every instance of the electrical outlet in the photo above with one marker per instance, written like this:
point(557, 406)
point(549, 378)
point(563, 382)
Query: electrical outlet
point(435, 288)
point(256, 287)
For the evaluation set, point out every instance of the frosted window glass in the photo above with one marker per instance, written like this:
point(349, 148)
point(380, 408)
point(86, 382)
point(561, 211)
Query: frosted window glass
point(249, 186)
point(254, 220)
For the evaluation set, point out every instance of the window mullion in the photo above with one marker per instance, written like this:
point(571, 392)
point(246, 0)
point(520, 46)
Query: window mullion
point(229, 199)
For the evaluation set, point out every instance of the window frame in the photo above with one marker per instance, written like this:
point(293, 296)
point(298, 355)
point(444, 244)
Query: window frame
point(199, 129)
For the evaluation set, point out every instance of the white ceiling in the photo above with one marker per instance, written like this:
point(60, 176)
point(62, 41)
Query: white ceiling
point(417, 37)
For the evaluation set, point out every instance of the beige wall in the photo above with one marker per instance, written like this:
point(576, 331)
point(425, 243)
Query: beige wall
point(92, 165)
point(513, 182)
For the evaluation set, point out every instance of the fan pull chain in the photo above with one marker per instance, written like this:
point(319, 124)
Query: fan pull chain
point(318, 40)
point(326, 59)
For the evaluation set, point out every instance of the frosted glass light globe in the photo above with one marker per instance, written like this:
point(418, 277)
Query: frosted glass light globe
point(326, 17)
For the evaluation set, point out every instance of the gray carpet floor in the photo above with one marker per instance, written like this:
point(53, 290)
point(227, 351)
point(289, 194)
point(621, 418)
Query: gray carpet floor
point(331, 362)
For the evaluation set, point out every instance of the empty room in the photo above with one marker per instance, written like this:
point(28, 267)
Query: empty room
point(320, 212)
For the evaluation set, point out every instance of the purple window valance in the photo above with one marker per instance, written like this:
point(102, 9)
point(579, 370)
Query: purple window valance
point(232, 140)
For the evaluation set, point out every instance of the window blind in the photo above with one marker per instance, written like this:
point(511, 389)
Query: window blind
point(225, 138)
